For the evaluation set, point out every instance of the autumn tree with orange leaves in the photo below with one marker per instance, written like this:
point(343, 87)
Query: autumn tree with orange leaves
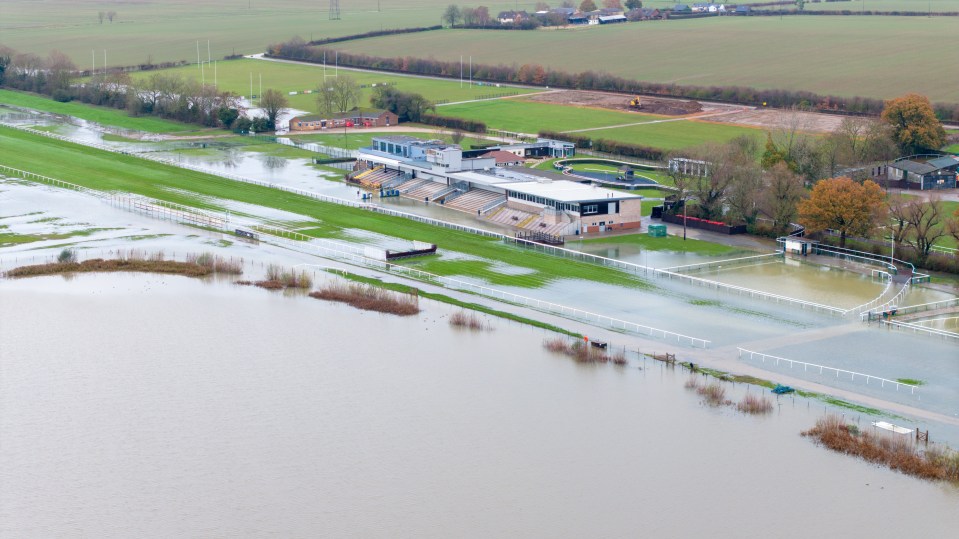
point(915, 127)
point(843, 205)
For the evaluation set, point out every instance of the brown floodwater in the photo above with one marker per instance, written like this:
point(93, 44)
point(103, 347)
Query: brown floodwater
point(142, 405)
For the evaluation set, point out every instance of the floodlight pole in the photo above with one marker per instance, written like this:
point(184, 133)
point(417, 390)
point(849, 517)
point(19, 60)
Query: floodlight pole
point(684, 218)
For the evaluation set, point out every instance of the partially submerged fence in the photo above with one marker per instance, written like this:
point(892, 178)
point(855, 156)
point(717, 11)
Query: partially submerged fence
point(822, 369)
point(915, 328)
point(628, 267)
point(356, 255)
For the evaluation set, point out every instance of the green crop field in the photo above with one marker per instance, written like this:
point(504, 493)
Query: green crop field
point(103, 115)
point(529, 117)
point(857, 6)
point(829, 55)
point(168, 30)
point(235, 76)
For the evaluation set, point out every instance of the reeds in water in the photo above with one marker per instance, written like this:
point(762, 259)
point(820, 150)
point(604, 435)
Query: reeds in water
point(133, 261)
point(370, 298)
point(468, 320)
point(713, 393)
point(581, 352)
point(897, 452)
point(277, 279)
point(755, 404)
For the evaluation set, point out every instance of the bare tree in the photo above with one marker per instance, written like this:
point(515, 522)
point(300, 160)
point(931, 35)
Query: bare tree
point(457, 136)
point(111, 15)
point(273, 103)
point(325, 100)
point(783, 189)
point(926, 226)
point(346, 93)
point(899, 213)
point(60, 72)
point(100, 16)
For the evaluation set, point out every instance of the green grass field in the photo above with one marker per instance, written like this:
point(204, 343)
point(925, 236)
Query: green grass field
point(105, 171)
point(829, 55)
point(857, 6)
point(234, 75)
point(529, 117)
point(103, 115)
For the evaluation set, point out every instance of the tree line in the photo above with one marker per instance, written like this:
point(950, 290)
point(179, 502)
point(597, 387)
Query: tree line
point(769, 194)
point(160, 94)
point(593, 80)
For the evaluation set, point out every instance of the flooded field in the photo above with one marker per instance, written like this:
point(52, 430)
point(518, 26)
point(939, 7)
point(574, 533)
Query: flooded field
point(51, 219)
point(232, 411)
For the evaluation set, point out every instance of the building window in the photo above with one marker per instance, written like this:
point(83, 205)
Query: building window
point(590, 208)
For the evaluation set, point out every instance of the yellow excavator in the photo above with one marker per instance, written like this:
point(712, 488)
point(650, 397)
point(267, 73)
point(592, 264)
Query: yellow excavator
point(635, 103)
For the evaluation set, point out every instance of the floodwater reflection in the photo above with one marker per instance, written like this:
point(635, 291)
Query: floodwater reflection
point(168, 406)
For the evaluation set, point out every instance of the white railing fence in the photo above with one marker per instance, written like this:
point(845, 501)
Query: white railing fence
point(822, 369)
point(635, 269)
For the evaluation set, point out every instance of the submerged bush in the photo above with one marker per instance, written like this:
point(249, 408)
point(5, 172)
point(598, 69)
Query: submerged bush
point(370, 298)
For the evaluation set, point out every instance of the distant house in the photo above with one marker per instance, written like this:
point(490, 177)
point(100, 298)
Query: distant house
point(701, 7)
point(743, 10)
point(924, 172)
point(644, 14)
point(505, 159)
point(512, 17)
point(578, 18)
point(681, 8)
point(355, 118)
point(721, 8)
point(611, 19)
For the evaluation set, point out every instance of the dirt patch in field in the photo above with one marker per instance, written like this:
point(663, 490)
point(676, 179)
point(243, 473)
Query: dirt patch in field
point(620, 102)
point(810, 122)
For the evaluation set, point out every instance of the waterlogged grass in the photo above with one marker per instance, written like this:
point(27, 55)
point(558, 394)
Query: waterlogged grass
point(671, 243)
point(106, 171)
point(10, 238)
point(442, 298)
point(834, 401)
point(102, 115)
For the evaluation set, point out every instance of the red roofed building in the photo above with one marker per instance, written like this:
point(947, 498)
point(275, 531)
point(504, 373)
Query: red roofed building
point(505, 159)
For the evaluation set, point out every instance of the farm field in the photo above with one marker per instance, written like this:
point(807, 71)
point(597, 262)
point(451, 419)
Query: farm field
point(103, 115)
point(234, 75)
point(829, 55)
point(855, 6)
point(174, 26)
point(529, 117)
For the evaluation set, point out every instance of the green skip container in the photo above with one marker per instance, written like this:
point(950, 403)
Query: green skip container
point(657, 231)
